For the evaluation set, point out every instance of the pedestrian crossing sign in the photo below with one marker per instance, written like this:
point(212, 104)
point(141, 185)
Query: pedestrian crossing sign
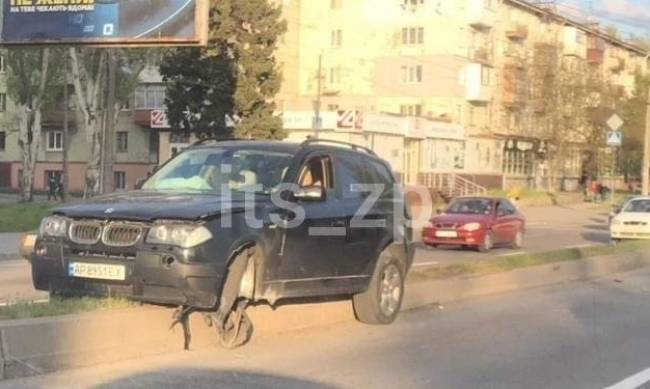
point(615, 138)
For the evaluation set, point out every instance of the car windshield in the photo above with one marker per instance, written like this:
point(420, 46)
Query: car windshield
point(470, 207)
point(642, 206)
point(216, 170)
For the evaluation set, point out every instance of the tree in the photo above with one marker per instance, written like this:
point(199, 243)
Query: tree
point(29, 85)
point(89, 75)
point(227, 89)
point(633, 111)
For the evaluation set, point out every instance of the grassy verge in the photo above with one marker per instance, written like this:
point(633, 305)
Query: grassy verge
point(59, 306)
point(538, 199)
point(22, 217)
point(513, 262)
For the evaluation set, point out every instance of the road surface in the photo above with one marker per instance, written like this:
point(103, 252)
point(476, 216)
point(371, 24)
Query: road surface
point(549, 228)
point(589, 335)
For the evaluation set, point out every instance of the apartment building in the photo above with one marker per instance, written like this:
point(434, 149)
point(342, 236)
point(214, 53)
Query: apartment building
point(440, 67)
point(135, 153)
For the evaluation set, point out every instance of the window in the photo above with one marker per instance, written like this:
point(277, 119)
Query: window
point(317, 173)
point(3, 140)
point(412, 74)
point(337, 38)
point(3, 102)
point(411, 110)
point(332, 107)
point(412, 4)
point(3, 64)
point(119, 179)
point(54, 141)
point(505, 208)
point(412, 35)
point(150, 96)
point(350, 172)
point(486, 75)
point(336, 4)
point(334, 76)
point(122, 142)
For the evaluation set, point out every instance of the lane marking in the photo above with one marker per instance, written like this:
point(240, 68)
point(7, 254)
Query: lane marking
point(633, 382)
point(8, 304)
point(423, 264)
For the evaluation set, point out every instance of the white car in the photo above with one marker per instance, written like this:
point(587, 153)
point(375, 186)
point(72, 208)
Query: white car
point(633, 222)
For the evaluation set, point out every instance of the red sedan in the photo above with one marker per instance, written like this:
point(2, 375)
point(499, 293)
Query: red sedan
point(478, 222)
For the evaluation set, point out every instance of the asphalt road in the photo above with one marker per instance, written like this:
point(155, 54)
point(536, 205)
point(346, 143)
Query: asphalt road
point(577, 335)
point(548, 228)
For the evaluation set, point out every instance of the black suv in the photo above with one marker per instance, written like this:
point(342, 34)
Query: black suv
point(228, 223)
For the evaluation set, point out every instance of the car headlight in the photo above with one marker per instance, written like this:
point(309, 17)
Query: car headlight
point(616, 222)
point(55, 226)
point(181, 235)
point(471, 227)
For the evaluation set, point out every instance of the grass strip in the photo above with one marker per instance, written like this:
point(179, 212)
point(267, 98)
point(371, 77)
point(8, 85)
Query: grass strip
point(59, 306)
point(22, 217)
point(520, 261)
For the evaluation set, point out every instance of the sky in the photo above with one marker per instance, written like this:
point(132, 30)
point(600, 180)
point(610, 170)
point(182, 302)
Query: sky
point(629, 16)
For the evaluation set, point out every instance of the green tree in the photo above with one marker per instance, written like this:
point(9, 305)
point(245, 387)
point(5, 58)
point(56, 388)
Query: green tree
point(633, 111)
point(227, 88)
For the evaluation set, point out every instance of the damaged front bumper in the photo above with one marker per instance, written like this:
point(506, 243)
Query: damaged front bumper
point(154, 275)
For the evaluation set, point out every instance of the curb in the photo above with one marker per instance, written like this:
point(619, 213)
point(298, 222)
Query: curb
point(38, 346)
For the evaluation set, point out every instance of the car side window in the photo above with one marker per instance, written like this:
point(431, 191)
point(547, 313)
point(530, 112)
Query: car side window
point(317, 172)
point(350, 172)
point(504, 208)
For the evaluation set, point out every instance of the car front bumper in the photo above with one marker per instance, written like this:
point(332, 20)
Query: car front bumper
point(463, 238)
point(150, 276)
point(629, 232)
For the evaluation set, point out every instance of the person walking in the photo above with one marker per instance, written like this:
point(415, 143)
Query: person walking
point(59, 186)
point(51, 187)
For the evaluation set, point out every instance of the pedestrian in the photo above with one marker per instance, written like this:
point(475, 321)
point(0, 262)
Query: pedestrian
point(599, 192)
point(51, 188)
point(60, 189)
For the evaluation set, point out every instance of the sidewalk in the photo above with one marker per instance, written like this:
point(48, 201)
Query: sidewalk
point(9, 245)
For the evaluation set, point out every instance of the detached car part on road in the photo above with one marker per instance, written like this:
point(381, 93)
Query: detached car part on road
point(226, 224)
point(478, 222)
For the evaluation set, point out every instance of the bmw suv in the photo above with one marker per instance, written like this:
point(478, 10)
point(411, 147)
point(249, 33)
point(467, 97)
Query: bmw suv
point(226, 224)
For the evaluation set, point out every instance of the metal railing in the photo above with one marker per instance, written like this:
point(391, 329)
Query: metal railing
point(453, 185)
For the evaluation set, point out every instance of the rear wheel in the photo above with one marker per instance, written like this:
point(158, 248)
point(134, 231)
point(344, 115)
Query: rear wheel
point(380, 304)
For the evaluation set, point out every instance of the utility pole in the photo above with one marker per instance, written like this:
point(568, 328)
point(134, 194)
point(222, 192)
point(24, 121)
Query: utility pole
point(109, 125)
point(646, 149)
point(317, 122)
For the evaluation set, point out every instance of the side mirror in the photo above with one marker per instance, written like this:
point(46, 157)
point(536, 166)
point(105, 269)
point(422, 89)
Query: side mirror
point(310, 193)
point(140, 183)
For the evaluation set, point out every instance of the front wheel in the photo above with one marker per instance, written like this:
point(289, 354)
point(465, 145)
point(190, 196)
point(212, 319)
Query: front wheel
point(488, 243)
point(381, 303)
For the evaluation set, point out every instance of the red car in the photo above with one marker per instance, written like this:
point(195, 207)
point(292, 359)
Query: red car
point(478, 222)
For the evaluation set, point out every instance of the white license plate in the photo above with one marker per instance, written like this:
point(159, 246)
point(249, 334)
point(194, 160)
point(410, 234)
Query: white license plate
point(97, 271)
point(446, 234)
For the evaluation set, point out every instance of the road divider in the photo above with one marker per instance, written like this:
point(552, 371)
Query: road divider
point(41, 345)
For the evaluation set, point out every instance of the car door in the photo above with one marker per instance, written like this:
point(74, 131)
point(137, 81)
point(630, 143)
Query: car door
point(310, 249)
point(505, 225)
point(360, 194)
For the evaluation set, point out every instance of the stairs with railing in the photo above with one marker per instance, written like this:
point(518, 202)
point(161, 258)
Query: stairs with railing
point(450, 185)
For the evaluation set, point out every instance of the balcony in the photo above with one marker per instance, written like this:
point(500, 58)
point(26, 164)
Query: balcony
point(481, 55)
point(595, 56)
point(514, 92)
point(477, 89)
point(516, 57)
point(479, 15)
point(518, 33)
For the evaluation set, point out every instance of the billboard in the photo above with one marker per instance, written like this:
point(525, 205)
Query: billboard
point(105, 22)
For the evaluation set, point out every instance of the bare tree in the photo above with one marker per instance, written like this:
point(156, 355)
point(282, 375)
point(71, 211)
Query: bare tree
point(29, 80)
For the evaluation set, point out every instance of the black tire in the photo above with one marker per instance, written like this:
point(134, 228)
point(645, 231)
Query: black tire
point(488, 243)
point(381, 303)
point(519, 241)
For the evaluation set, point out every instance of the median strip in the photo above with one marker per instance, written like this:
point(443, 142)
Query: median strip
point(521, 260)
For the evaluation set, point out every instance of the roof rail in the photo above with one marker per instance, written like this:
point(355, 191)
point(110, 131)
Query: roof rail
point(216, 140)
point(310, 141)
